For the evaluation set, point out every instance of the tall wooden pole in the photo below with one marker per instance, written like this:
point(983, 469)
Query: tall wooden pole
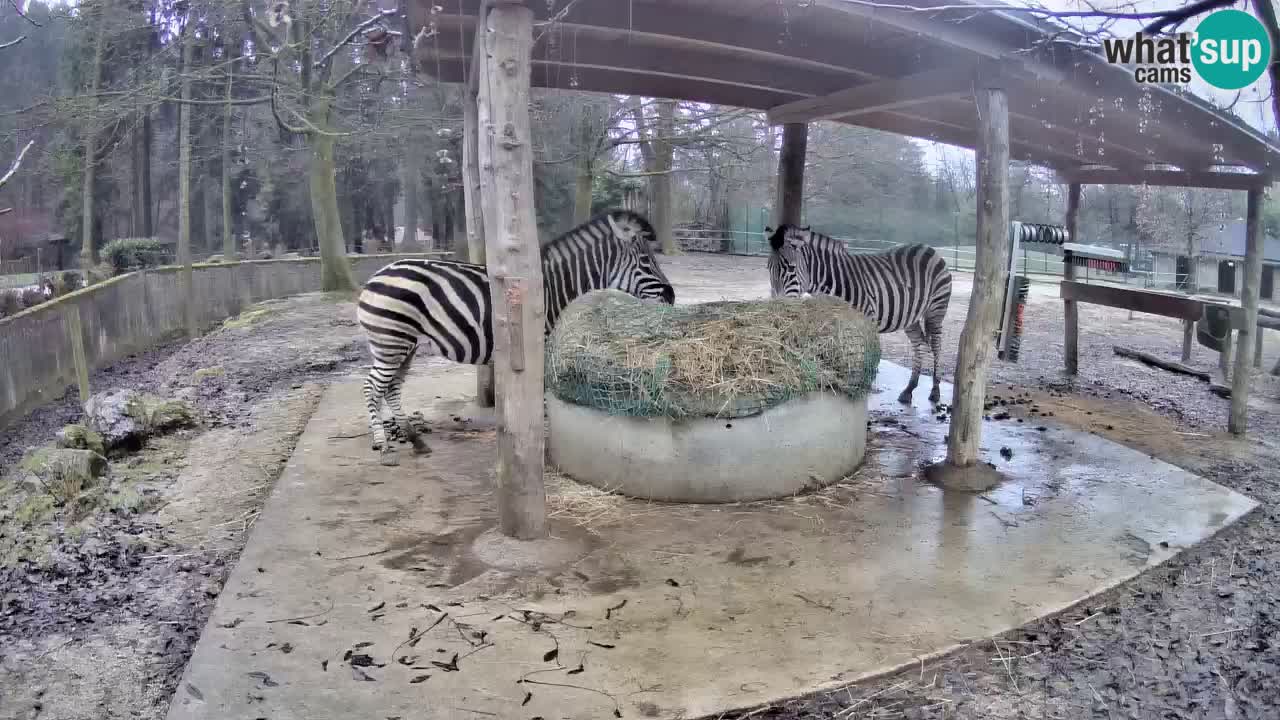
point(1241, 374)
point(989, 277)
point(1071, 333)
point(475, 212)
point(790, 204)
point(514, 265)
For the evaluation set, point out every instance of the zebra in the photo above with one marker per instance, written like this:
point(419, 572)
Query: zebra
point(448, 304)
point(904, 288)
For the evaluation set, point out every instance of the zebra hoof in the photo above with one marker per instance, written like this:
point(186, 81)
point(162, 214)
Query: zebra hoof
point(935, 396)
point(389, 457)
point(420, 446)
point(905, 397)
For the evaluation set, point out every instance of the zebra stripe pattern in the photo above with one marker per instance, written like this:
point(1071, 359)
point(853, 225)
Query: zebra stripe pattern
point(904, 288)
point(449, 304)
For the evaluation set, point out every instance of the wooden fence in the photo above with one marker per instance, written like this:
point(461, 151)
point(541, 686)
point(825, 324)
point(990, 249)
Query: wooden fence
point(48, 348)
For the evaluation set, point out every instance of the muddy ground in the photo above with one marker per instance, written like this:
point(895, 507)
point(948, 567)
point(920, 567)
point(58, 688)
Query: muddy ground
point(104, 629)
point(101, 623)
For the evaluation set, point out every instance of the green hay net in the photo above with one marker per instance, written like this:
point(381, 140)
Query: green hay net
point(611, 352)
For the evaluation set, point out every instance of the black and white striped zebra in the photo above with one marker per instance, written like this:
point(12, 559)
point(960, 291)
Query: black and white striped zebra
point(448, 304)
point(904, 288)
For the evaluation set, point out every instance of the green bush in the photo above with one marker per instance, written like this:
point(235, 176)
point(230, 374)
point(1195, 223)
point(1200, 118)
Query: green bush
point(10, 303)
point(71, 281)
point(125, 254)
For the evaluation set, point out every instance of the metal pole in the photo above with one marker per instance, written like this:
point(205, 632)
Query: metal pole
point(1006, 325)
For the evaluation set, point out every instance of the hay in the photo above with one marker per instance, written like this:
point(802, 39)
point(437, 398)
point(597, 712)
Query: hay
point(611, 352)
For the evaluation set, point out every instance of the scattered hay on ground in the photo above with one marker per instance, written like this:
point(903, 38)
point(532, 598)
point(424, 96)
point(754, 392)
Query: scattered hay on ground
point(612, 352)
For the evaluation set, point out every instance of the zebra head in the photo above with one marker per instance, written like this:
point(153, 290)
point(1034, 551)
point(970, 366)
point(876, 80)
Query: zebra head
point(788, 263)
point(641, 276)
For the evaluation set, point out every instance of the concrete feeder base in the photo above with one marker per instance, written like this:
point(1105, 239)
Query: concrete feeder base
point(799, 445)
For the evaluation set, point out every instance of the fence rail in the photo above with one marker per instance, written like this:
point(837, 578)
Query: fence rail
point(136, 312)
point(962, 258)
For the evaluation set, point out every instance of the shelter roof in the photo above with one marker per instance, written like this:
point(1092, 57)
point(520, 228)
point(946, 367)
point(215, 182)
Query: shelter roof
point(901, 66)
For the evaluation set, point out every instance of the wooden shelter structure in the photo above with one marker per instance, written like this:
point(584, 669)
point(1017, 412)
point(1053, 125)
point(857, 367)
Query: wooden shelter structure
point(999, 82)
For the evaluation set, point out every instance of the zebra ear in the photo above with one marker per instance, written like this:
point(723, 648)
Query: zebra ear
point(613, 226)
point(768, 229)
point(805, 228)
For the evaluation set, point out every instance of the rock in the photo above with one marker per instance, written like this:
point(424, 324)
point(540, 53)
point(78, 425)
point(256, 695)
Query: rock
point(108, 415)
point(126, 418)
point(79, 437)
point(64, 472)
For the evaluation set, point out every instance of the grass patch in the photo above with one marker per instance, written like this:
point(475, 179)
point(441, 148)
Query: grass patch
point(202, 373)
point(249, 317)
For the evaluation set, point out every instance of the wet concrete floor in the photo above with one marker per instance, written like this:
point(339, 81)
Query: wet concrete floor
point(373, 592)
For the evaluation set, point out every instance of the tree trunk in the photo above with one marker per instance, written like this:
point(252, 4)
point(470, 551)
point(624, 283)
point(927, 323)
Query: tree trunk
point(335, 269)
point(990, 276)
point(88, 250)
point(582, 194)
point(475, 212)
point(184, 185)
point(514, 268)
point(1070, 311)
point(663, 152)
point(228, 228)
point(1241, 375)
point(585, 176)
point(790, 198)
point(410, 170)
point(141, 158)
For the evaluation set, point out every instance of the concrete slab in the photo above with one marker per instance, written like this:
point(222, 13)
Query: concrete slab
point(638, 609)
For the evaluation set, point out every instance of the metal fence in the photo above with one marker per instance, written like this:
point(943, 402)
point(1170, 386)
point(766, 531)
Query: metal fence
point(960, 258)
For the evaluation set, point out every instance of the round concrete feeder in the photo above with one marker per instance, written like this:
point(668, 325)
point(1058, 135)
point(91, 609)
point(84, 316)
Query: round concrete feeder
point(799, 445)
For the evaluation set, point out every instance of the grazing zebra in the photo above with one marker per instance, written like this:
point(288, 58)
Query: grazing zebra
point(448, 303)
point(904, 288)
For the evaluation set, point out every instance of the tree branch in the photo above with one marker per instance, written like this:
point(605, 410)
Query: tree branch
point(1267, 12)
point(1177, 16)
point(275, 111)
point(23, 14)
point(382, 15)
point(12, 42)
point(1190, 10)
point(13, 169)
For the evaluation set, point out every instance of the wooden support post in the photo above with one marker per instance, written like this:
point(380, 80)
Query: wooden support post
point(514, 265)
point(1188, 334)
point(1238, 419)
point(1071, 333)
point(75, 335)
point(475, 213)
point(790, 204)
point(989, 277)
point(1257, 349)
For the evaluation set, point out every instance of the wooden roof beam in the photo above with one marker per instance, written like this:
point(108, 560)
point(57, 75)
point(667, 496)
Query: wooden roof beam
point(1167, 178)
point(890, 94)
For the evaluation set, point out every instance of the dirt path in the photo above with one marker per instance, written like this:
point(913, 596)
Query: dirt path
point(101, 625)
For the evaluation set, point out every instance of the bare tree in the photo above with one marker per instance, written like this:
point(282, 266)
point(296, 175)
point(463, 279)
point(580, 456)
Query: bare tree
point(314, 81)
point(1180, 219)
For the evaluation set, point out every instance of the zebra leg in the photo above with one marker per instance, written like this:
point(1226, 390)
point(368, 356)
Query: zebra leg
point(915, 333)
point(933, 328)
point(385, 367)
point(407, 429)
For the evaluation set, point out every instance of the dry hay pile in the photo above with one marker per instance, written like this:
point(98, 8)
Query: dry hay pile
point(611, 352)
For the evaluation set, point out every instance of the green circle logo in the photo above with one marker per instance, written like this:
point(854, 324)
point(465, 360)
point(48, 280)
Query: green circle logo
point(1232, 49)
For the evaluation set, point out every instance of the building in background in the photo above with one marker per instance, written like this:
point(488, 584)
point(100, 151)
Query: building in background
point(1219, 268)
